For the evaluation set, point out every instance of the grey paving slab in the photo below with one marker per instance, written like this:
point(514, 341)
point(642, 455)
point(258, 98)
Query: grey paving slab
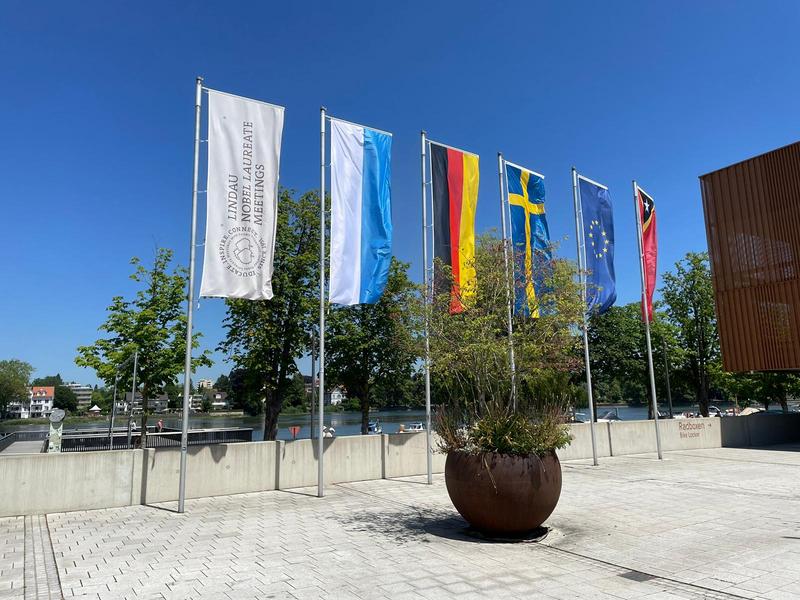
point(24, 447)
point(41, 580)
point(718, 524)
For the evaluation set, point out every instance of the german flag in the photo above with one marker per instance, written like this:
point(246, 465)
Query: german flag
point(455, 177)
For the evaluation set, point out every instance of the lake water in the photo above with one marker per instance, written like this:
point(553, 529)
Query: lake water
point(345, 423)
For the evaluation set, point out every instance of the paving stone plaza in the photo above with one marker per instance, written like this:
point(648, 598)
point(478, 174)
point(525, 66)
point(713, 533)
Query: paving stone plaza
point(720, 524)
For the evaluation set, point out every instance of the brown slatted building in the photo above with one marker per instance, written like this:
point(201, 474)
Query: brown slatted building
point(752, 212)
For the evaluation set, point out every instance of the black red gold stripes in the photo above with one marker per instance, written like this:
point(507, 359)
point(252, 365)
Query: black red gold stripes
point(455, 179)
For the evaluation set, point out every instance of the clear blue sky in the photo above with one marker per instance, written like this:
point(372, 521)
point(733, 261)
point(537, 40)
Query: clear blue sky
point(97, 121)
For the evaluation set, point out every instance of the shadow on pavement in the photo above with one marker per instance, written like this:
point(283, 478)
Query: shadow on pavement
point(414, 525)
point(407, 524)
point(164, 508)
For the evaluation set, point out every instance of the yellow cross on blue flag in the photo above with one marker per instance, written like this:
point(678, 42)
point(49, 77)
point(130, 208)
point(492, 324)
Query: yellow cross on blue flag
point(530, 238)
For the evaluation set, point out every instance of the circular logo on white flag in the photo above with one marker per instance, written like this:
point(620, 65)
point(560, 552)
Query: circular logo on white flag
point(243, 251)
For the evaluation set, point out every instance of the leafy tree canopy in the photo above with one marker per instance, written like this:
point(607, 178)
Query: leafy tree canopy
point(688, 297)
point(154, 322)
point(48, 380)
point(374, 346)
point(470, 357)
point(222, 384)
point(14, 377)
point(65, 399)
point(263, 339)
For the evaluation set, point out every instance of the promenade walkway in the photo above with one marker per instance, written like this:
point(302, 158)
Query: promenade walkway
point(718, 524)
point(24, 447)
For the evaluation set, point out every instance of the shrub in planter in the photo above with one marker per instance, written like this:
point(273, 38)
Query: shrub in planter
point(502, 472)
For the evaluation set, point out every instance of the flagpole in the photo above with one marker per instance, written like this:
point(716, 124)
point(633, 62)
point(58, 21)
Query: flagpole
point(582, 271)
point(646, 317)
point(187, 370)
point(426, 301)
point(321, 398)
point(666, 372)
point(511, 360)
point(133, 398)
point(113, 413)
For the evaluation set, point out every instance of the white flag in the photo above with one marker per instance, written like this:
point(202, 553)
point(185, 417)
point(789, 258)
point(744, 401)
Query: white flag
point(244, 148)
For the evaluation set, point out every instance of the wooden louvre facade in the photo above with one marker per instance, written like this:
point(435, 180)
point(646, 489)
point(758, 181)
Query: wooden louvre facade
point(752, 213)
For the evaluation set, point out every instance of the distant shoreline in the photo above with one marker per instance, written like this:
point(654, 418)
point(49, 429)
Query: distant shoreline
point(119, 417)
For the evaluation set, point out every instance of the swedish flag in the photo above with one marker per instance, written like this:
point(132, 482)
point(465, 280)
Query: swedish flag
point(530, 238)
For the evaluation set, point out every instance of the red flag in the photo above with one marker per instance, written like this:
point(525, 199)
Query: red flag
point(647, 216)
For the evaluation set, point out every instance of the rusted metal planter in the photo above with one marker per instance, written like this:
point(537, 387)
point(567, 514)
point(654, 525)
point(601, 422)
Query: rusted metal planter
point(503, 494)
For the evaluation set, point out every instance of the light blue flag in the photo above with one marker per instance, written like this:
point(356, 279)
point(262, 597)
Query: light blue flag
point(361, 213)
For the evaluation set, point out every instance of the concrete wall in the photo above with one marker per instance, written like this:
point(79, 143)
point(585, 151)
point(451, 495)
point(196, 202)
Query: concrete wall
point(37, 483)
point(638, 437)
point(216, 470)
point(581, 446)
point(761, 430)
point(404, 455)
point(41, 483)
point(350, 458)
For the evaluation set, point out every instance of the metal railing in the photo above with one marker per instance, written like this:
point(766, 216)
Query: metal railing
point(31, 436)
point(6, 439)
point(88, 441)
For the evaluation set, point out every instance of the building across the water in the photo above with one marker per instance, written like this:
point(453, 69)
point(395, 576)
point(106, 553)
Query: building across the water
point(752, 212)
point(336, 396)
point(159, 404)
point(83, 393)
point(219, 400)
point(38, 404)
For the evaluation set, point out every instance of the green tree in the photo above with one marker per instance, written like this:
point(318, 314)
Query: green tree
point(296, 393)
point(470, 358)
point(688, 298)
point(766, 388)
point(223, 384)
point(370, 345)
point(245, 392)
point(14, 377)
point(206, 405)
point(49, 380)
point(617, 355)
point(469, 350)
point(400, 389)
point(65, 399)
point(265, 338)
point(154, 322)
point(174, 392)
point(103, 397)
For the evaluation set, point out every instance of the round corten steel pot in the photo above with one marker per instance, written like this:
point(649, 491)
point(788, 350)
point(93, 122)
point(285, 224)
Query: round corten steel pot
point(502, 493)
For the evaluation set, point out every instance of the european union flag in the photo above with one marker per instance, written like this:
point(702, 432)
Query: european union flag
point(598, 232)
point(530, 238)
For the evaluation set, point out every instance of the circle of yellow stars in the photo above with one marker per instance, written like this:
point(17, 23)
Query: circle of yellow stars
point(599, 242)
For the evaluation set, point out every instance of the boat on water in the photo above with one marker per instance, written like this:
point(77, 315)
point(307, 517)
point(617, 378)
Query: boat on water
point(611, 415)
point(374, 427)
point(413, 427)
